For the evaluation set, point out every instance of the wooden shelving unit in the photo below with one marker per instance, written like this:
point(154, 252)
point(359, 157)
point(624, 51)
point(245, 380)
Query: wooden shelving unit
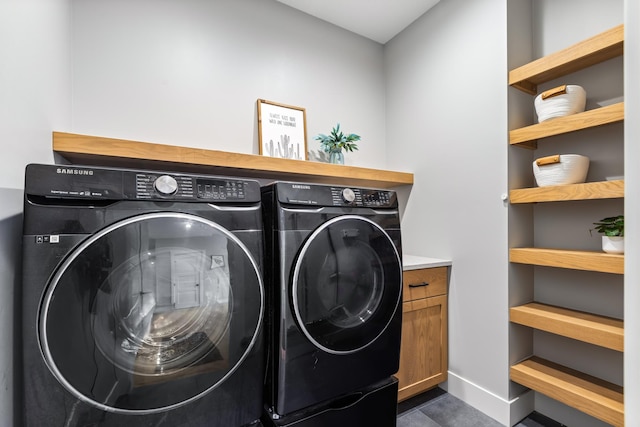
point(527, 136)
point(586, 53)
point(570, 259)
point(561, 193)
point(598, 330)
point(598, 398)
point(590, 395)
point(100, 151)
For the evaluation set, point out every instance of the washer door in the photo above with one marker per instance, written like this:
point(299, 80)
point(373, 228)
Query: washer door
point(347, 283)
point(151, 312)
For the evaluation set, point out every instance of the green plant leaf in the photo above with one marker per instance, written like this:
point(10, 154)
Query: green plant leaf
point(611, 226)
point(338, 140)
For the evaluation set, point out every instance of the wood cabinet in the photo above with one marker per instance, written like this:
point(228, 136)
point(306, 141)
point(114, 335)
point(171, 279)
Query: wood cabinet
point(594, 396)
point(423, 352)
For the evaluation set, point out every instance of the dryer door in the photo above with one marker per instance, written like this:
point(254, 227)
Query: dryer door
point(347, 284)
point(150, 313)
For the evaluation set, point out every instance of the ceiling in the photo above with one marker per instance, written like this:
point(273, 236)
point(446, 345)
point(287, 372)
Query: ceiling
point(378, 20)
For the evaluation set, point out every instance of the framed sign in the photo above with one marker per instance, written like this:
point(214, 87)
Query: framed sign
point(282, 130)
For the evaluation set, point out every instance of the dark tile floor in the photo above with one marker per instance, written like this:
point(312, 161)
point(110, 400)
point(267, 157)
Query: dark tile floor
point(437, 408)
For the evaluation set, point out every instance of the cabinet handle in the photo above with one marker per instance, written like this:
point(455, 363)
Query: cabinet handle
point(418, 285)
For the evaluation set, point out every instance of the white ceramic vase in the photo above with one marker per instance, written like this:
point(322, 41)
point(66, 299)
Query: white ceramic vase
point(613, 244)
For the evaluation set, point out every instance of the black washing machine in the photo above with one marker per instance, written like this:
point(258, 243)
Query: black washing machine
point(334, 284)
point(143, 299)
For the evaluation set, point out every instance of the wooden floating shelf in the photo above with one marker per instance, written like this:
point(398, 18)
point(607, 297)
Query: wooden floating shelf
point(99, 151)
point(561, 193)
point(593, 396)
point(560, 125)
point(591, 51)
point(576, 260)
point(598, 330)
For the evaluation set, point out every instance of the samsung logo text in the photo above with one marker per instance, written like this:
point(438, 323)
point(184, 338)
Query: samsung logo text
point(65, 171)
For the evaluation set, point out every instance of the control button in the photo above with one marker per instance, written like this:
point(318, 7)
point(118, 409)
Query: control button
point(166, 185)
point(348, 195)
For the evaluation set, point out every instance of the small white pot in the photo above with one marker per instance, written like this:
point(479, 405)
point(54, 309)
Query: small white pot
point(613, 244)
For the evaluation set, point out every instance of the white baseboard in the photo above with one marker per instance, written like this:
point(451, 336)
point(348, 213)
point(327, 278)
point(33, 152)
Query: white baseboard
point(506, 412)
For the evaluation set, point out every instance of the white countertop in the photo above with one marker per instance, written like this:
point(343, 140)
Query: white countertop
point(413, 262)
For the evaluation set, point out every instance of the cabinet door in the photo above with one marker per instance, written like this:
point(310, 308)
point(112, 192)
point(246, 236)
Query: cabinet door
point(423, 351)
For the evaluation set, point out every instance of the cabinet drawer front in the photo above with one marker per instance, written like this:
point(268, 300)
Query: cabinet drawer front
point(424, 283)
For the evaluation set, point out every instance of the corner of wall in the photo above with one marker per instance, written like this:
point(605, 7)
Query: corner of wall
point(507, 412)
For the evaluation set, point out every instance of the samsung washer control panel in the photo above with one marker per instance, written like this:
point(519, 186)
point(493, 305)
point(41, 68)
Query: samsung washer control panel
point(96, 183)
point(329, 195)
point(153, 185)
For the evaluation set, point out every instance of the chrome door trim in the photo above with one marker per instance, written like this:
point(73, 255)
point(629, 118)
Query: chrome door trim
point(53, 283)
point(296, 274)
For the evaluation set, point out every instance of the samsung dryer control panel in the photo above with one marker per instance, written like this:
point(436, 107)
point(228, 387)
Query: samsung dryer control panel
point(330, 195)
point(97, 183)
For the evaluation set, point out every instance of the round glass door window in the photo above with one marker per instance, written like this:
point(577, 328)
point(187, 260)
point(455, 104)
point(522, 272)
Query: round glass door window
point(347, 282)
point(151, 313)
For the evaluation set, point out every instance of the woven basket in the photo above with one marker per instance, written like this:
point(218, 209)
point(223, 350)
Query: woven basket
point(560, 101)
point(561, 169)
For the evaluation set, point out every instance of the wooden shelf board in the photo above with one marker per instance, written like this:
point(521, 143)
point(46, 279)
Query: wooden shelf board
point(94, 150)
point(593, 396)
point(560, 125)
point(591, 51)
point(560, 193)
point(570, 259)
point(598, 330)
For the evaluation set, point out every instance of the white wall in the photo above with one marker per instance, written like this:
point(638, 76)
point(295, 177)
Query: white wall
point(34, 82)
point(447, 122)
point(35, 88)
point(632, 214)
point(189, 73)
point(520, 51)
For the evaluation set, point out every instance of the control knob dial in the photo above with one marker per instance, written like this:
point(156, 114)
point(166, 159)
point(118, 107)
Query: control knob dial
point(166, 185)
point(348, 195)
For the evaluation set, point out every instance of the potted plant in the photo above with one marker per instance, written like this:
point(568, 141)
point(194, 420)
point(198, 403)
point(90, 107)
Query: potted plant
point(335, 142)
point(612, 229)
